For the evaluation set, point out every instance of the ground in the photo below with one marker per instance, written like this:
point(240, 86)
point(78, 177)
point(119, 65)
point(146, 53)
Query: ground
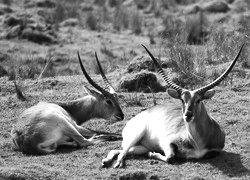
point(64, 82)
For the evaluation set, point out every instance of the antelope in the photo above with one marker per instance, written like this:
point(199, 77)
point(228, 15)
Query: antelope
point(41, 128)
point(167, 132)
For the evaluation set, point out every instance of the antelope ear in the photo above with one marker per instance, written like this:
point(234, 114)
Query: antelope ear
point(92, 92)
point(173, 93)
point(208, 94)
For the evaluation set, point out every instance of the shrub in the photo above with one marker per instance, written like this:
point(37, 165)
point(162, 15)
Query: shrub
point(136, 23)
point(195, 28)
point(65, 9)
point(92, 21)
point(121, 18)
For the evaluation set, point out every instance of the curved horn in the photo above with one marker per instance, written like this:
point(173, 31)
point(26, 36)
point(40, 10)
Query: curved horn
point(107, 83)
point(89, 79)
point(169, 82)
point(219, 79)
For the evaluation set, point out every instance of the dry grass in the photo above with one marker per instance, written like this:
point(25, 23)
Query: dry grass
point(230, 107)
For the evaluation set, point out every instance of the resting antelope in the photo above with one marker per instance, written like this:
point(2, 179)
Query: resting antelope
point(172, 130)
point(42, 128)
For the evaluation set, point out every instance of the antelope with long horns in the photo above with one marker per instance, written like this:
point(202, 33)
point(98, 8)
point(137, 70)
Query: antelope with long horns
point(40, 129)
point(170, 131)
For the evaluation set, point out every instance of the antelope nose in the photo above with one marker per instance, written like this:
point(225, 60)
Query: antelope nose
point(188, 115)
point(122, 116)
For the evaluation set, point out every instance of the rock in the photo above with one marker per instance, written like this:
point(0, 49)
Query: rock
point(229, 1)
point(216, 7)
point(37, 36)
point(4, 57)
point(70, 22)
point(140, 82)
point(11, 20)
point(142, 62)
point(46, 3)
point(86, 6)
point(138, 175)
point(193, 9)
point(5, 9)
point(40, 3)
point(13, 32)
point(3, 72)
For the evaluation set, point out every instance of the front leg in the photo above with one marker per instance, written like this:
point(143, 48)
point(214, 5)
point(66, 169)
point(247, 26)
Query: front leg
point(169, 154)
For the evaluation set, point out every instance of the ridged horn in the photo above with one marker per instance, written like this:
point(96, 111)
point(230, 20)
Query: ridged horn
point(103, 91)
point(169, 82)
point(221, 77)
point(107, 83)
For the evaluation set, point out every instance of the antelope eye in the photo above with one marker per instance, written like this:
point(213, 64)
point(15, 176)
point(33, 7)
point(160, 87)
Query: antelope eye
point(109, 102)
point(198, 101)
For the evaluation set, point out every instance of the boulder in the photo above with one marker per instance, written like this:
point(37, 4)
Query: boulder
point(140, 82)
point(46, 3)
point(4, 57)
point(193, 9)
point(3, 72)
point(37, 36)
point(40, 3)
point(5, 9)
point(12, 20)
point(142, 62)
point(216, 6)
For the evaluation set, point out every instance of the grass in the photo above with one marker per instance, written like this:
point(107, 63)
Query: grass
point(227, 106)
point(230, 105)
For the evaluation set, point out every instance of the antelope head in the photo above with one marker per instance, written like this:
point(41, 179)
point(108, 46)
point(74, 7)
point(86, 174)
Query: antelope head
point(192, 105)
point(107, 99)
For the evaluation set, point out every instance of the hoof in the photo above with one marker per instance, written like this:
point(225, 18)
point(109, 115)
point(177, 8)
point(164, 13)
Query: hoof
point(118, 165)
point(106, 162)
point(171, 160)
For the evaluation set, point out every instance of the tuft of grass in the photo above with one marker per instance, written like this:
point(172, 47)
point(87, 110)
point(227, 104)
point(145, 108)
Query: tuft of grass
point(153, 94)
point(110, 58)
point(46, 67)
point(19, 93)
point(134, 99)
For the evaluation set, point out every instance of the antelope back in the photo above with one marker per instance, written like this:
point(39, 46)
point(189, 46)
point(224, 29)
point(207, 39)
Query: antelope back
point(35, 124)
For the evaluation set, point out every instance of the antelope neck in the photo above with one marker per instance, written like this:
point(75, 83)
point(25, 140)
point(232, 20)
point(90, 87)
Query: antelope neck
point(82, 109)
point(199, 128)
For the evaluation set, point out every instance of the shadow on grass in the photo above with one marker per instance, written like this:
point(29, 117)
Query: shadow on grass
point(230, 164)
point(67, 149)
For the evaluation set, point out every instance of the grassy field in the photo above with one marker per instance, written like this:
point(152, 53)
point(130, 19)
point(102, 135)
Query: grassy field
point(230, 107)
point(196, 38)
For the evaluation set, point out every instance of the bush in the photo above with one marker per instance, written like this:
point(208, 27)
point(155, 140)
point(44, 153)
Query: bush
point(196, 26)
point(121, 18)
point(136, 23)
point(92, 21)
